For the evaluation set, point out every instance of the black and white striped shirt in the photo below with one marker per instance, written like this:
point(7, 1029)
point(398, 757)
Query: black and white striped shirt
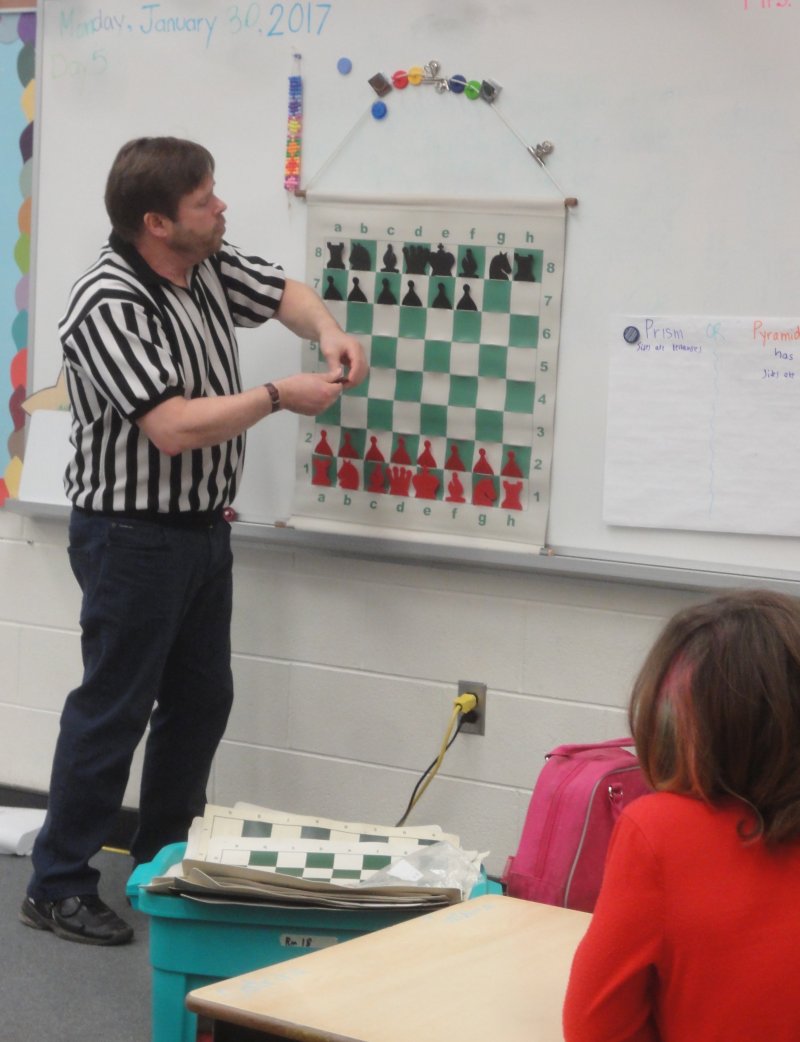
point(132, 339)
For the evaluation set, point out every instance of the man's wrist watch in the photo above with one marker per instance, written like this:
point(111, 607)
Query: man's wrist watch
point(275, 396)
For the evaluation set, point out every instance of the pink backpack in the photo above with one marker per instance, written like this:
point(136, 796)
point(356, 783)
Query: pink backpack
point(578, 797)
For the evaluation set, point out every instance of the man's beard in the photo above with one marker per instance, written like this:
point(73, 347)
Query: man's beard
point(194, 247)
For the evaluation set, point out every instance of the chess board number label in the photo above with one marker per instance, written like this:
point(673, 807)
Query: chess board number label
point(307, 941)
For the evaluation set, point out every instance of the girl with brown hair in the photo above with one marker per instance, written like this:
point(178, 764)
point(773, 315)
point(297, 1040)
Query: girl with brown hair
point(695, 932)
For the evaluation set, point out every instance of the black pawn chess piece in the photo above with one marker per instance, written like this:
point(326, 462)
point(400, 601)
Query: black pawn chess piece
point(411, 300)
point(386, 296)
point(356, 294)
point(442, 300)
point(331, 292)
point(466, 303)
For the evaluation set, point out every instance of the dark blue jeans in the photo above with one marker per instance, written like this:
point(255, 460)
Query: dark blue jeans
point(155, 623)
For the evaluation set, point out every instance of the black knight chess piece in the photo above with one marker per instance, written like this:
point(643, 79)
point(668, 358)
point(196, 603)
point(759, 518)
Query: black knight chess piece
point(500, 267)
point(359, 258)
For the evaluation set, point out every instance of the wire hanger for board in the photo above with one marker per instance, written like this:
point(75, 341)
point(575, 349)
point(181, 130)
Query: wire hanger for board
point(430, 75)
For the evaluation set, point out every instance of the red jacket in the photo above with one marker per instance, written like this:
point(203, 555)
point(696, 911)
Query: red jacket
point(695, 936)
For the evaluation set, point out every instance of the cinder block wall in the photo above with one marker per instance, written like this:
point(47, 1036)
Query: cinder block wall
point(346, 668)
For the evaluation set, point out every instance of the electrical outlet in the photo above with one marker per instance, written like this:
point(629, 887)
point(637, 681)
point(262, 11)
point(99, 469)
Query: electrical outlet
point(474, 722)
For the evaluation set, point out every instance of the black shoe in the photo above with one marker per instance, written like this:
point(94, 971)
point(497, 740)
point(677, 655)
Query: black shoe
point(85, 919)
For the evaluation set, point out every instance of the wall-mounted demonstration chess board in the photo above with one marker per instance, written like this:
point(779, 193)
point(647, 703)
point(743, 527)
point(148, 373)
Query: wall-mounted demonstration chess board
point(458, 309)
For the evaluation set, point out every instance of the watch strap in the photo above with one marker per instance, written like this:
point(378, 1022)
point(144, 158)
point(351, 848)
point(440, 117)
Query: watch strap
point(275, 396)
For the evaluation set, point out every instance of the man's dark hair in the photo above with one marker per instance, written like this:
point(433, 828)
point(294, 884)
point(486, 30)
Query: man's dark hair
point(151, 175)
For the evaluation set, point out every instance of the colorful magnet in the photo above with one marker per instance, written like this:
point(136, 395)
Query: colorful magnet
point(473, 89)
point(344, 65)
point(458, 83)
point(416, 74)
point(631, 334)
point(229, 514)
point(400, 79)
point(380, 84)
point(490, 90)
point(379, 109)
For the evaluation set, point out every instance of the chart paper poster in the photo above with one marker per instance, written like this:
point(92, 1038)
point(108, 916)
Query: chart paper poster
point(458, 307)
point(703, 424)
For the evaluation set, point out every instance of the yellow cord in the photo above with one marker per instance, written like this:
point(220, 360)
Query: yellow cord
point(463, 704)
point(437, 764)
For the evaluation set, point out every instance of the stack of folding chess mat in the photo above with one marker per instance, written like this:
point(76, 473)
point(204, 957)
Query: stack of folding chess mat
point(249, 854)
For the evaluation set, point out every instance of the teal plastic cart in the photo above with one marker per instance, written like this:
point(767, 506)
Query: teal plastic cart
point(193, 943)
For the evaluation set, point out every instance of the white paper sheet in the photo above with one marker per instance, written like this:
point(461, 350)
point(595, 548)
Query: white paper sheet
point(19, 827)
point(703, 423)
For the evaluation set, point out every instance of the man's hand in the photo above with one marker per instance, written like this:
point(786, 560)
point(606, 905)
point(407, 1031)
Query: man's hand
point(310, 393)
point(344, 355)
point(304, 312)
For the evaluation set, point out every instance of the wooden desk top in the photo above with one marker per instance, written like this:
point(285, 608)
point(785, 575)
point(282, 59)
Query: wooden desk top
point(492, 968)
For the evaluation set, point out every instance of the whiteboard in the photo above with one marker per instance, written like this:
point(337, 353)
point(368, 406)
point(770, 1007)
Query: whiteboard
point(673, 123)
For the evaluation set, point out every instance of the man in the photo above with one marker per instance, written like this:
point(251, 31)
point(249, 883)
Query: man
point(158, 422)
